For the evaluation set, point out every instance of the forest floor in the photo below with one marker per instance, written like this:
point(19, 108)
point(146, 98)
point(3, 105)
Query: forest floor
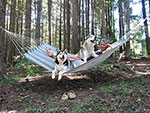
point(110, 87)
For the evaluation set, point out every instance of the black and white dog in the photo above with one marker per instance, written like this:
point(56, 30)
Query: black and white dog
point(62, 64)
point(87, 49)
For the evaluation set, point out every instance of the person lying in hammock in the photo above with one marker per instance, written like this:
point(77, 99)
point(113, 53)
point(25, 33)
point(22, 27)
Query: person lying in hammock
point(104, 46)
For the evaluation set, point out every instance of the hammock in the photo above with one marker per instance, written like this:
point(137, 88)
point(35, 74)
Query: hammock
point(39, 55)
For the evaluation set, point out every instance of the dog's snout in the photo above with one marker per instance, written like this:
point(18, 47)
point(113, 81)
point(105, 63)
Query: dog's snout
point(63, 56)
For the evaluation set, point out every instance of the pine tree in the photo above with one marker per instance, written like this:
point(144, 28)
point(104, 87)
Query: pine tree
point(146, 28)
point(75, 44)
point(37, 33)
point(127, 13)
point(49, 19)
point(28, 21)
point(2, 35)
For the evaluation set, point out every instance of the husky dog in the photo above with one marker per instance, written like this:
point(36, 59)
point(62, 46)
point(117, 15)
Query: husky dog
point(87, 50)
point(62, 64)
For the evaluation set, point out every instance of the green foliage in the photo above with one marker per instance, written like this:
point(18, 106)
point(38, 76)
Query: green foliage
point(30, 68)
point(34, 110)
point(12, 80)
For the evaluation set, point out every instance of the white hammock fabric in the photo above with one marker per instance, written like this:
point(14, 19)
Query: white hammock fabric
point(39, 55)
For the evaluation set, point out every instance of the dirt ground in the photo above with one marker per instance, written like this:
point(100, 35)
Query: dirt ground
point(41, 92)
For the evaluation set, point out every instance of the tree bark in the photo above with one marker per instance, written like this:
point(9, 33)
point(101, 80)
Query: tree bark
point(79, 3)
point(93, 16)
point(75, 44)
point(60, 45)
point(110, 20)
point(102, 12)
point(28, 21)
point(120, 9)
point(68, 26)
point(83, 31)
point(127, 12)
point(146, 28)
point(87, 17)
point(12, 29)
point(37, 33)
point(49, 20)
point(2, 35)
point(64, 27)
point(55, 38)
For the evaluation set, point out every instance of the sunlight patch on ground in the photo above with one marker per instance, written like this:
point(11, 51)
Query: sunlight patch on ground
point(143, 73)
point(12, 111)
point(31, 79)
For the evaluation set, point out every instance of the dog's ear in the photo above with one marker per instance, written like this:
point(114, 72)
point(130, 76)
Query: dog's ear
point(65, 50)
point(86, 37)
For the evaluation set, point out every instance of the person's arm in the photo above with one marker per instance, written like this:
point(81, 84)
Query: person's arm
point(54, 56)
point(74, 57)
point(109, 45)
point(50, 53)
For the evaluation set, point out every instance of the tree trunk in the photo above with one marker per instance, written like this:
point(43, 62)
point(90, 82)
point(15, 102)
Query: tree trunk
point(127, 13)
point(146, 28)
point(87, 17)
point(22, 14)
point(56, 26)
point(120, 23)
point(60, 45)
point(28, 21)
point(93, 16)
point(102, 12)
point(37, 33)
point(68, 26)
point(110, 20)
point(79, 3)
point(2, 35)
point(64, 27)
point(75, 32)
point(12, 29)
point(7, 39)
point(49, 20)
point(83, 32)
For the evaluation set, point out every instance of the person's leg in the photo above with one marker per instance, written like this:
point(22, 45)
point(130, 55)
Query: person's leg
point(90, 58)
point(98, 52)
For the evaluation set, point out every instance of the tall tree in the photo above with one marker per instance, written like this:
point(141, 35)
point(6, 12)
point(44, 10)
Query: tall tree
point(2, 35)
point(83, 31)
point(49, 19)
point(102, 12)
point(87, 16)
point(22, 14)
point(37, 32)
point(127, 13)
point(60, 45)
point(79, 12)
point(146, 28)
point(68, 25)
point(93, 15)
point(12, 29)
point(110, 19)
point(120, 9)
point(75, 44)
point(28, 21)
point(64, 27)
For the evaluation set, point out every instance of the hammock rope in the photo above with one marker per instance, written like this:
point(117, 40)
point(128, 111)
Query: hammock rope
point(40, 56)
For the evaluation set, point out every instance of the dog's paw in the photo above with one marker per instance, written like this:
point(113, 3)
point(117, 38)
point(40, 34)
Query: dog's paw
point(53, 76)
point(59, 77)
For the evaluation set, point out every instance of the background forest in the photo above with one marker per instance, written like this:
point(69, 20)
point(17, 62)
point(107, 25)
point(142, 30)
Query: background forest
point(65, 23)
point(120, 84)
